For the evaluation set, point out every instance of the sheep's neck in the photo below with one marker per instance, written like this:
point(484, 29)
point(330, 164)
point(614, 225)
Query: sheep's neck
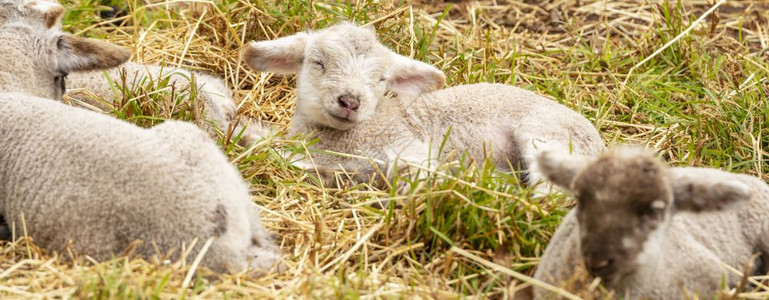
point(650, 258)
point(8, 82)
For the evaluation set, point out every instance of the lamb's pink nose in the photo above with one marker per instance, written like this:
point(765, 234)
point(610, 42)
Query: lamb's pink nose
point(349, 102)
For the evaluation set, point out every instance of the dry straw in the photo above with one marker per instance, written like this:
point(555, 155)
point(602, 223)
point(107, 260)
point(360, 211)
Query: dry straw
point(338, 245)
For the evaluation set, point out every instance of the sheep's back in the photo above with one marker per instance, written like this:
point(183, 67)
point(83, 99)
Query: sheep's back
point(506, 117)
point(100, 182)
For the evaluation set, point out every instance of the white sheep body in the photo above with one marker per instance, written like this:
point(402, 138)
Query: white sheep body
point(344, 73)
point(483, 118)
point(113, 183)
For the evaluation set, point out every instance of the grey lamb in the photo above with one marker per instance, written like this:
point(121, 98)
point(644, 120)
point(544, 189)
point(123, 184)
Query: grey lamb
point(94, 184)
point(344, 73)
point(650, 231)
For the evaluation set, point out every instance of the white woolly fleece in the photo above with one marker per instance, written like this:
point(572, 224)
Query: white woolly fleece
point(101, 183)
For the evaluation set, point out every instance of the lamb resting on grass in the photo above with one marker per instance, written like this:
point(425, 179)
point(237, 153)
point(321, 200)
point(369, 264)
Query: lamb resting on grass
point(95, 184)
point(648, 230)
point(344, 74)
point(98, 89)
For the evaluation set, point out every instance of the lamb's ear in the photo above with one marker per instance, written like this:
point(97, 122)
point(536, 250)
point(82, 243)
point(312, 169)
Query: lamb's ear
point(411, 78)
point(560, 168)
point(283, 55)
point(76, 54)
point(707, 193)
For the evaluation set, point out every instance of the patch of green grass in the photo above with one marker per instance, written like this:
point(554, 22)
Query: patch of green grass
point(148, 102)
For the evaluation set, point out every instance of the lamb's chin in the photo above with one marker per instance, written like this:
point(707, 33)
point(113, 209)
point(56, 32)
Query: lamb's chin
point(619, 279)
point(343, 126)
point(338, 123)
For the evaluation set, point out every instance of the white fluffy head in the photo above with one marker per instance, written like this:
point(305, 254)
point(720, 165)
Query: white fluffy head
point(343, 73)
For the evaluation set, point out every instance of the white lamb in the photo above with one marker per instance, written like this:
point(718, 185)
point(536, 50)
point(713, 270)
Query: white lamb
point(344, 74)
point(647, 230)
point(97, 89)
point(95, 184)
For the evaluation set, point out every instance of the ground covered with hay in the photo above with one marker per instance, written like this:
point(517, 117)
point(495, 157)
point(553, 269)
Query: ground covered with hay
point(681, 77)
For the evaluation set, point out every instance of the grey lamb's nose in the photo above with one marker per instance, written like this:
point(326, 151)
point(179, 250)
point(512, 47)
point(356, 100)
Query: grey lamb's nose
point(597, 267)
point(349, 101)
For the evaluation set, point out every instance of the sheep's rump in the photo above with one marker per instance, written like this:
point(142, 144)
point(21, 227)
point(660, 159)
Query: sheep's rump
point(99, 182)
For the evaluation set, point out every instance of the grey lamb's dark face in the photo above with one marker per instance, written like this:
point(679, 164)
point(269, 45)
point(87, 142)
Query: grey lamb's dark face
point(623, 205)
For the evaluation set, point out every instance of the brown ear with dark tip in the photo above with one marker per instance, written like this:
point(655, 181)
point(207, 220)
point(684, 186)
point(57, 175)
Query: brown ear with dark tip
point(77, 54)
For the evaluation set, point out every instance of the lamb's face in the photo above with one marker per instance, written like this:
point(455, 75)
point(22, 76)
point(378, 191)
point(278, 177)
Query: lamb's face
point(343, 77)
point(626, 198)
point(343, 73)
point(624, 202)
point(35, 56)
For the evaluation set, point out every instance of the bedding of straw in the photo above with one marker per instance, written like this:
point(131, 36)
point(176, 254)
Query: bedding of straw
point(687, 78)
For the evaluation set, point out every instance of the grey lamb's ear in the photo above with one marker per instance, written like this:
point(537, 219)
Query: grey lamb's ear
point(283, 55)
point(706, 194)
point(411, 78)
point(560, 168)
point(74, 54)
